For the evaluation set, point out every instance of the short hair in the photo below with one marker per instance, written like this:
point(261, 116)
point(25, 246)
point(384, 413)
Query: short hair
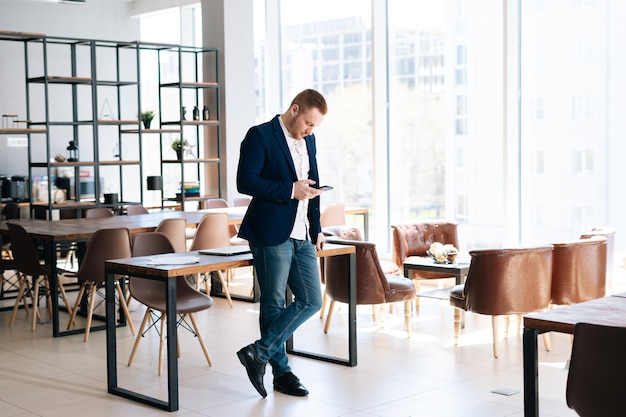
point(310, 98)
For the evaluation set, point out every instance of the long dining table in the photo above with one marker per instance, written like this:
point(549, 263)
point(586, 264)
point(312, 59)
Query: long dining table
point(51, 234)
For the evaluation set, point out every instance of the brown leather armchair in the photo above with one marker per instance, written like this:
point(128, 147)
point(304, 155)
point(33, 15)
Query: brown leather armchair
point(501, 282)
point(373, 286)
point(414, 239)
point(579, 270)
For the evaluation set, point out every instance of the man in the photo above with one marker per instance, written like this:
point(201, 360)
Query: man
point(278, 168)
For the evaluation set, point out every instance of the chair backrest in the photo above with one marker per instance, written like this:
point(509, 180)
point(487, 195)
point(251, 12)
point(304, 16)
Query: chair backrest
point(105, 244)
point(215, 203)
point(333, 215)
point(151, 243)
point(579, 270)
point(242, 201)
point(596, 371)
point(25, 257)
point(98, 213)
point(414, 239)
point(175, 231)
point(509, 281)
point(343, 232)
point(136, 209)
point(212, 232)
point(148, 291)
point(11, 211)
point(609, 233)
point(371, 285)
point(151, 292)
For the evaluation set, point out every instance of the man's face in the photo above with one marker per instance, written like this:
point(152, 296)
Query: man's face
point(304, 121)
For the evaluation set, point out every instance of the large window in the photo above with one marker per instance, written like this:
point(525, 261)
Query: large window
point(324, 46)
point(572, 99)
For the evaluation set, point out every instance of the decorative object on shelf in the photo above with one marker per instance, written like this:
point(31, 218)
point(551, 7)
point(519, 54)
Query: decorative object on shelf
point(183, 112)
point(154, 183)
point(72, 152)
point(146, 117)
point(180, 146)
point(442, 254)
point(111, 198)
point(9, 119)
point(196, 113)
point(59, 158)
point(206, 115)
point(105, 106)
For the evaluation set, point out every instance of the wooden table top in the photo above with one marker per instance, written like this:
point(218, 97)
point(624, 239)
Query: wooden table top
point(607, 311)
point(79, 229)
point(184, 263)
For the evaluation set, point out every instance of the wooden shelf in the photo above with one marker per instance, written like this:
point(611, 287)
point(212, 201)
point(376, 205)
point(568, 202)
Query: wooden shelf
point(10, 131)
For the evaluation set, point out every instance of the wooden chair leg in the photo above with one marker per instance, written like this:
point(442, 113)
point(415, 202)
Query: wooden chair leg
point(457, 325)
point(224, 288)
point(407, 318)
point(329, 317)
point(546, 342)
point(81, 292)
point(324, 301)
point(374, 314)
point(417, 299)
point(129, 320)
point(92, 301)
point(20, 298)
point(35, 302)
point(507, 320)
point(139, 336)
point(162, 343)
point(494, 327)
point(200, 338)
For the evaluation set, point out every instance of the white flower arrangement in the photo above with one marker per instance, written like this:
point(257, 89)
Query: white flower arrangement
point(442, 253)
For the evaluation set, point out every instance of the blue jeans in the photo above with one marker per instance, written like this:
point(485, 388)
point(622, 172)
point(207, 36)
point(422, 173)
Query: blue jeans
point(294, 264)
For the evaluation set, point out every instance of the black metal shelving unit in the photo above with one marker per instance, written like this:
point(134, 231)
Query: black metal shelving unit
point(89, 91)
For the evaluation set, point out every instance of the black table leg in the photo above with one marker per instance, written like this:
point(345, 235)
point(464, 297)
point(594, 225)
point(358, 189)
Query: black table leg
point(172, 403)
point(352, 351)
point(531, 373)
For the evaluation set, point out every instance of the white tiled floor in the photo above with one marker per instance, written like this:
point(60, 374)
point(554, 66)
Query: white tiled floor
point(425, 375)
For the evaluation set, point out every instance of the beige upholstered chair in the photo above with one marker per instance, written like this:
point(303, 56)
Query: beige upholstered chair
point(333, 215)
point(242, 201)
point(414, 239)
point(136, 209)
point(503, 282)
point(151, 293)
point(212, 232)
point(98, 213)
point(373, 286)
point(175, 230)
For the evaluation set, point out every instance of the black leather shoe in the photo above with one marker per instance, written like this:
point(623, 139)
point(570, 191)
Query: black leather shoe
point(255, 368)
point(290, 384)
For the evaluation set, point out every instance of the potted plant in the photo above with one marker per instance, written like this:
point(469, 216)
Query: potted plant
point(178, 147)
point(146, 117)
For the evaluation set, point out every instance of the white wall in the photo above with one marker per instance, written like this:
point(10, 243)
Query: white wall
point(95, 19)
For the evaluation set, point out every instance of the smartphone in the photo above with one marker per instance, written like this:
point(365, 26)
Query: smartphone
point(325, 187)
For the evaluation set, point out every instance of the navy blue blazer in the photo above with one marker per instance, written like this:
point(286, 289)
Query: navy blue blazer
point(267, 173)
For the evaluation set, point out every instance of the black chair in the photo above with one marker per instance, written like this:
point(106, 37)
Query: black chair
point(27, 263)
point(596, 371)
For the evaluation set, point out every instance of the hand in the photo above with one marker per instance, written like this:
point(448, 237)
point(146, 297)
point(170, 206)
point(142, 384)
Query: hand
point(303, 191)
point(321, 240)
